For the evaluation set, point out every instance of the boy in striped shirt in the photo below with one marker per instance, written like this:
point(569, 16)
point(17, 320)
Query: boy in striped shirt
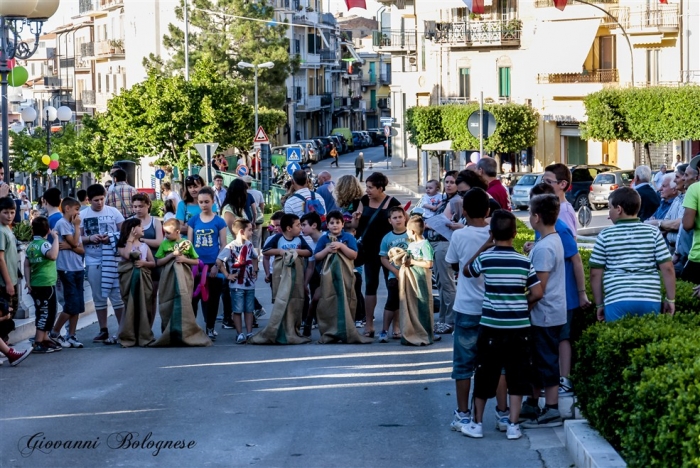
point(511, 287)
point(624, 263)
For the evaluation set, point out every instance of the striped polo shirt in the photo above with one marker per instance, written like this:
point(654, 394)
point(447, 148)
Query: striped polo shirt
point(507, 277)
point(629, 252)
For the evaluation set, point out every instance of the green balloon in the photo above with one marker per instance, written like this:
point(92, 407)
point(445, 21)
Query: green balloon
point(18, 76)
point(54, 157)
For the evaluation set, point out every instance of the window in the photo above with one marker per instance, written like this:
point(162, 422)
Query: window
point(606, 55)
point(99, 82)
point(464, 88)
point(106, 83)
point(373, 99)
point(653, 66)
point(504, 82)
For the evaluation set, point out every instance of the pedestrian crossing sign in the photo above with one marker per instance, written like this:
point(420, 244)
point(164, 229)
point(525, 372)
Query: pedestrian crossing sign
point(293, 155)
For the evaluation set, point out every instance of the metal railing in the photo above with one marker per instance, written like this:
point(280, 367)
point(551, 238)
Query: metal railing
point(657, 16)
point(592, 76)
point(454, 100)
point(479, 32)
point(85, 6)
point(394, 39)
point(550, 3)
point(67, 62)
point(87, 49)
point(88, 97)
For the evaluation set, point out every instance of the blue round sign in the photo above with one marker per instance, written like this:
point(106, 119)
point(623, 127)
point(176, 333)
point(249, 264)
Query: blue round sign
point(242, 171)
point(160, 174)
point(291, 167)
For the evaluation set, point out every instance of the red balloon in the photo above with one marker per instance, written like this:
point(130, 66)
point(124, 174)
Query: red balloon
point(53, 165)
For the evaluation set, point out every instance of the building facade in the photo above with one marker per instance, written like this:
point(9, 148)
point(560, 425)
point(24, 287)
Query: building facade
point(528, 52)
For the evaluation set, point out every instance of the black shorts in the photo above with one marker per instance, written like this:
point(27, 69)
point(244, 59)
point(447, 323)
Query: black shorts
point(45, 305)
point(314, 282)
point(545, 356)
point(691, 272)
point(393, 301)
point(497, 349)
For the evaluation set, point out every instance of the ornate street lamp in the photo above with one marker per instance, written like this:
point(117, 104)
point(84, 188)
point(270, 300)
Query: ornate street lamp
point(14, 16)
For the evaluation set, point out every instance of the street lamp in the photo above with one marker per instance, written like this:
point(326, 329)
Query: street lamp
point(63, 114)
point(14, 15)
point(256, 67)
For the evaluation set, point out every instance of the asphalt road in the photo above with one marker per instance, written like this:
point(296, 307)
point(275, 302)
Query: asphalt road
point(240, 405)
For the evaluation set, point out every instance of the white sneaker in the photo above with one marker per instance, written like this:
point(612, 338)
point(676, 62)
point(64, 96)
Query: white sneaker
point(502, 420)
point(241, 339)
point(73, 341)
point(61, 340)
point(513, 432)
point(460, 420)
point(473, 429)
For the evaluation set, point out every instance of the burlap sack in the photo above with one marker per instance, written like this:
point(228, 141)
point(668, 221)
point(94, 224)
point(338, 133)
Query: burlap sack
point(136, 288)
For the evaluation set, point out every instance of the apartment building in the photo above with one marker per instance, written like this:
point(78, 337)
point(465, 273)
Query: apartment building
point(375, 78)
point(528, 52)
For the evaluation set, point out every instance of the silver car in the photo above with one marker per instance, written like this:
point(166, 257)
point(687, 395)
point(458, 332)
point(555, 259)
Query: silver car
point(606, 183)
point(520, 198)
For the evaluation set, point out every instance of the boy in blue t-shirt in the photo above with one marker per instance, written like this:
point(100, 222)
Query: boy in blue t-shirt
point(344, 242)
point(289, 239)
point(398, 237)
point(576, 298)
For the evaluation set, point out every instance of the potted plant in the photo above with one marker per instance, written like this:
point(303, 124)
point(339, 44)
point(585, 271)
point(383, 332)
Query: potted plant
point(116, 45)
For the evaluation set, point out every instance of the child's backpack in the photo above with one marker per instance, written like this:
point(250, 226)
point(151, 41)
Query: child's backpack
point(314, 205)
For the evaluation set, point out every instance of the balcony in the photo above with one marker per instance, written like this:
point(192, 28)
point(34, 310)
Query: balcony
point(592, 76)
point(87, 49)
point(66, 62)
point(644, 19)
point(383, 103)
point(479, 33)
point(82, 64)
point(328, 55)
point(310, 61)
point(550, 3)
point(52, 82)
point(385, 78)
point(448, 100)
point(370, 79)
point(326, 99)
point(394, 40)
point(112, 47)
point(98, 7)
point(88, 97)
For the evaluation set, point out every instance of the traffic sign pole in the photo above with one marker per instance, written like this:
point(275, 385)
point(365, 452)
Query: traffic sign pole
point(481, 124)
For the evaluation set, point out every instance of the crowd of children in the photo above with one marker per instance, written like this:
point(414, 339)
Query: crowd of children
point(513, 310)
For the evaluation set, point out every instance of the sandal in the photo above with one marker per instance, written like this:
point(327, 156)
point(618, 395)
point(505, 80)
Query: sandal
point(368, 334)
point(111, 340)
point(396, 336)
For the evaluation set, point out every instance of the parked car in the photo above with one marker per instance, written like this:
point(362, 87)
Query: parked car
point(325, 145)
point(605, 183)
point(282, 150)
point(358, 140)
point(377, 135)
point(315, 154)
point(344, 143)
point(367, 137)
point(520, 198)
point(510, 179)
point(339, 146)
point(582, 177)
point(347, 134)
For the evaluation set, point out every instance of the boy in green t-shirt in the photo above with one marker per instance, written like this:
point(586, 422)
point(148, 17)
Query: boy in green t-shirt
point(174, 246)
point(9, 261)
point(41, 275)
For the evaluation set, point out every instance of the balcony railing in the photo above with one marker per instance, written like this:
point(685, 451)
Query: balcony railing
point(592, 76)
point(383, 103)
point(67, 62)
point(87, 49)
point(385, 78)
point(455, 100)
point(107, 48)
point(328, 55)
point(326, 99)
point(645, 17)
point(479, 33)
point(394, 39)
point(88, 97)
point(369, 80)
point(550, 3)
point(52, 82)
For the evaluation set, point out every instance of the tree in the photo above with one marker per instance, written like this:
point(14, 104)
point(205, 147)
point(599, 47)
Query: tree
point(226, 40)
point(516, 126)
point(166, 116)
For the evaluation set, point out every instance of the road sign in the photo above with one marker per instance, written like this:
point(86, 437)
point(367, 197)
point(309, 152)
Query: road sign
point(294, 155)
point(291, 167)
point(206, 150)
point(584, 216)
point(242, 171)
point(160, 174)
point(387, 131)
point(261, 136)
point(488, 125)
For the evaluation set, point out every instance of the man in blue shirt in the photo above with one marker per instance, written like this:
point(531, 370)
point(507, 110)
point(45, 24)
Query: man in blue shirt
point(325, 189)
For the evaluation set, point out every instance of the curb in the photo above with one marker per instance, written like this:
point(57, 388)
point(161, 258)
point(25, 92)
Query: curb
point(588, 448)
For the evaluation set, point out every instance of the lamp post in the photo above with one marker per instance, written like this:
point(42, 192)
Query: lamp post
point(256, 68)
point(14, 16)
point(63, 114)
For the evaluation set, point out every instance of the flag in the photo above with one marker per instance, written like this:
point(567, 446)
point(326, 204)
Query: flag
point(475, 6)
point(560, 4)
point(356, 4)
point(665, 2)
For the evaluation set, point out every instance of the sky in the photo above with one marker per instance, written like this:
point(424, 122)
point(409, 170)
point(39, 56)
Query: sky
point(69, 8)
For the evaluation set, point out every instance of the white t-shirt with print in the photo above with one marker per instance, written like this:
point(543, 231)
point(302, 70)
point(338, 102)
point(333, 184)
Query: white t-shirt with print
point(98, 222)
point(464, 244)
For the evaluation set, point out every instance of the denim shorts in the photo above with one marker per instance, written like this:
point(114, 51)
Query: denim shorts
point(617, 310)
point(243, 301)
point(72, 285)
point(565, 333)
point(465, 336)
point(545, 355)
